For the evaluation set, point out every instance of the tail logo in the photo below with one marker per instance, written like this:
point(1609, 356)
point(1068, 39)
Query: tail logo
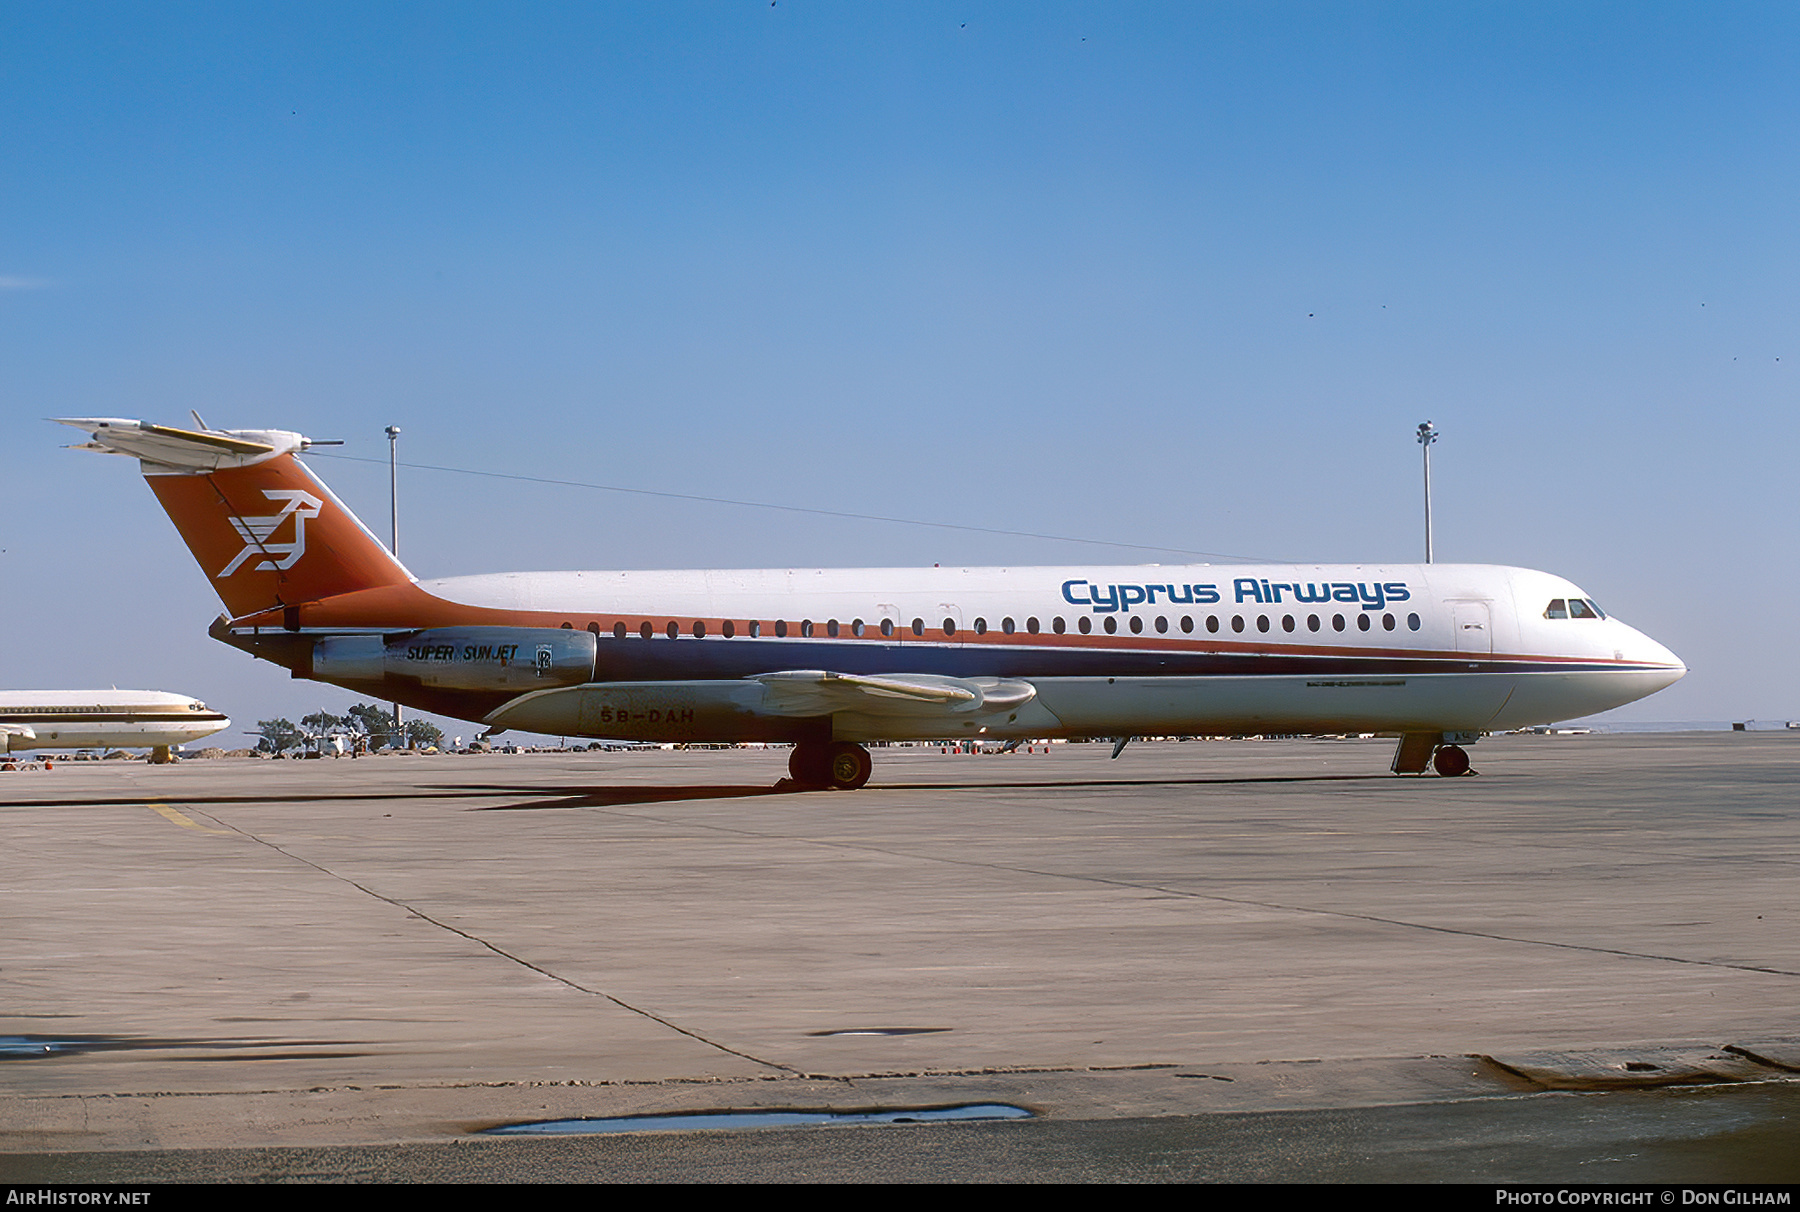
point(258, 532)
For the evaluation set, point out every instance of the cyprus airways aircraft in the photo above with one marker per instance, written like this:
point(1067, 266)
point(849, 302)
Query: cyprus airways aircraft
point(829, 659)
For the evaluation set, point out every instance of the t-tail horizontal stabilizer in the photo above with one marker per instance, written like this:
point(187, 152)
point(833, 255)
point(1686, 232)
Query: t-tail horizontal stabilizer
point(267, 532)
point(164, 447)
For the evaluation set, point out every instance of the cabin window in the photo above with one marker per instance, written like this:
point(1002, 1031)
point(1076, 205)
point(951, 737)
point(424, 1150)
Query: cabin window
point(755, 628)
point(618, 631)
point(1387, 622)
point(1187, 622)
point(1337, 622)
point(781, 629)
point(1086, 624)
point(1362, 622)
point(699, 629)
point(949, 626)
point(1031, 625)
point(1558, 609)
point(980, 626)
point(568, 627)
point(1287, 622)
point(1212, 622)
point(1137, 625)
point(726, 629)
point(887, 627)
point(831, 628)
point(1162, 624)
point(1006, 625)
point(673, 629)
point(918, 626)
point(1312, 622)
point(1237, 622)
point(1262, 622)
point(647, 630)
point(1057, 625)
point(856, 627)
point(594, 627)
point(806, 628)
point(1111, 625)
point(1412, 621)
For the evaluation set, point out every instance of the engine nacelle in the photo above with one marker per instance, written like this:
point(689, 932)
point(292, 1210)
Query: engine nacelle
point(515, 659)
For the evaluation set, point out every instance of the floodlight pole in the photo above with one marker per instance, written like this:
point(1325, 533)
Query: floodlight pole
point(1427, 435)
point(393, 437)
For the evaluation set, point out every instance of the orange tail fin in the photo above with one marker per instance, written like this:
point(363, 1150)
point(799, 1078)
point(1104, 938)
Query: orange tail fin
point(273, 535)
point(266, 531)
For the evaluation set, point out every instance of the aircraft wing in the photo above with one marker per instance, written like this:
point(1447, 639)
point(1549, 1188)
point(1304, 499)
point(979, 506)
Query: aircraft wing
point(925, 702)
point(807, 692)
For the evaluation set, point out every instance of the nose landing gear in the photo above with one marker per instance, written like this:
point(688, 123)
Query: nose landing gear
point(1437, 750)
point(840, 765)
point(1450, 761)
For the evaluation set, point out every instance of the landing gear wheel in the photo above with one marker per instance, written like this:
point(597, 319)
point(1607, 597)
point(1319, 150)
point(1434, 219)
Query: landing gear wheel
point(810, 764)
point(1450, 761)
point(849, 766)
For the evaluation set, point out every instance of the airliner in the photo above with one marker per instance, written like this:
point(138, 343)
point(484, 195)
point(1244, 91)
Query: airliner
point(104, 719)
point(832, 659)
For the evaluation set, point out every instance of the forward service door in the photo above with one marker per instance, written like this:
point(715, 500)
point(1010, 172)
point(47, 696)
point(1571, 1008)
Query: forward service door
point(1473, 625)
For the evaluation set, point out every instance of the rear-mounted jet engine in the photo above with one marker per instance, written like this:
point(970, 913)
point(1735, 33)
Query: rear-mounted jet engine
point(516, 659)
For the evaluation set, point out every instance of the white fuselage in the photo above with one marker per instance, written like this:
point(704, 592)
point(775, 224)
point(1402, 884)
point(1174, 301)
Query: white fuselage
point(1109, 651)
point(103, 719)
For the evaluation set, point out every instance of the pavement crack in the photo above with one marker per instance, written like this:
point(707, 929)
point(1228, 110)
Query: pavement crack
point(1394, 921)
point(500, 951)
point(1139, 886)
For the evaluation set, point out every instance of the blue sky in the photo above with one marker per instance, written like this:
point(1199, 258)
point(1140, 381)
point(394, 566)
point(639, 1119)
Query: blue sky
point(1170, 274)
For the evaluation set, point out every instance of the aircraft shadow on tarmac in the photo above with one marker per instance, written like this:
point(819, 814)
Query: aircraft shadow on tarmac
point(608, 797)
point(39, 1047)
point(589, 796)
point(542, 797)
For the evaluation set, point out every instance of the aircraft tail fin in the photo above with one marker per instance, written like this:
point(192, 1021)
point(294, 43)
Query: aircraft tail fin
point(267, 532)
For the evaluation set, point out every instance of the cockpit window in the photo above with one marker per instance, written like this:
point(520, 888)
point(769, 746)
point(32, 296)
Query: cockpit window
point(1573, 608)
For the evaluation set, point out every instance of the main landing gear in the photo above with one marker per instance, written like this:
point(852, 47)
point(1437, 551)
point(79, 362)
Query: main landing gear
point(839, 764)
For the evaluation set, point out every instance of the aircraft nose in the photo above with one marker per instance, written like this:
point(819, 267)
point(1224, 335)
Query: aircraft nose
point(1641, 648)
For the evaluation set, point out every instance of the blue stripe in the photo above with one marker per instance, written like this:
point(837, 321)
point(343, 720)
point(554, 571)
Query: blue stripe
point(635, 659)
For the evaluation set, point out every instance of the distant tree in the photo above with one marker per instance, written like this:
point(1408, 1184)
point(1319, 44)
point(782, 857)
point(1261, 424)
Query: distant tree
point(320, 723)
point(376, 724)
point(277, 736)
point(422, 734)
